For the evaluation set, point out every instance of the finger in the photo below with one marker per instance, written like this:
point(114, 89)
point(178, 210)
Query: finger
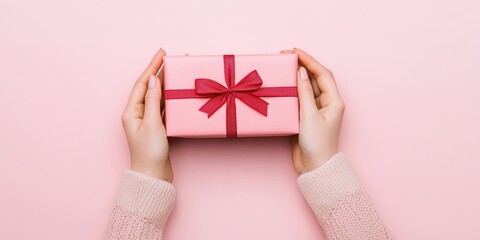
point(316, 89)
point(323, 76)
point(305, 94)
point(296, 154)
point(137, 96)
point(286, 51)
point(161, 78)
point(152, 113)
point(155, 64)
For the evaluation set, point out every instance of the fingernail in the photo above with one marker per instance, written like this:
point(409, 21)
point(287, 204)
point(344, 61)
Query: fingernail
point(303, 74)
point(152, 81)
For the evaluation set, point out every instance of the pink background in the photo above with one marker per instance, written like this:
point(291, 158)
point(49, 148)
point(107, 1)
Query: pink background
point(408, 71)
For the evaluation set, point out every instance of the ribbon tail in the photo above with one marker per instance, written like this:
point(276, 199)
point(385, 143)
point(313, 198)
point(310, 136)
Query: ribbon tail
point(254, 102)
point(231, 117)
point(212, 105)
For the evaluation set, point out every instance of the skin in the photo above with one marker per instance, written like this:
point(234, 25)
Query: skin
point(321, 113)
point(143, 124)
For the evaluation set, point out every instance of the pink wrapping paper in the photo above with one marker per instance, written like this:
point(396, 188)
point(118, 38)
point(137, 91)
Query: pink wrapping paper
point(183, 118)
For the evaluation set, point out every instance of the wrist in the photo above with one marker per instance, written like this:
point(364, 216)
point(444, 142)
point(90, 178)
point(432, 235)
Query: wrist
point(317, 161)
point(158, 171)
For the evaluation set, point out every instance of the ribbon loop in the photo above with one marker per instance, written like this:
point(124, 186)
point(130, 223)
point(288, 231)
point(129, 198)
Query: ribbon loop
point(205, 86)
point(250, 82)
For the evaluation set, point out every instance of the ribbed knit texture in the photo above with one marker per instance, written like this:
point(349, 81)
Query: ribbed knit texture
point(340, 204)
point(333, 192)
point(142, 207)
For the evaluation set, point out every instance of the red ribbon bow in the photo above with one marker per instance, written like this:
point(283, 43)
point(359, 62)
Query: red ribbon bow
point(221, 94)
point(248, 90)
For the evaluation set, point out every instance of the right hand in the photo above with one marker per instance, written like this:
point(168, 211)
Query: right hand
point(321, 114)
point(142, 122)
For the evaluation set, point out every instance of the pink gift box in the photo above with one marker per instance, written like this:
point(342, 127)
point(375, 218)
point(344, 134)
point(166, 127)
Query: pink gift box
point(231, 95)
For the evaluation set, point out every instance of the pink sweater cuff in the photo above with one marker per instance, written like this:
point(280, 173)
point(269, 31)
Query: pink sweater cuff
point(147, 197)
point(325, 186)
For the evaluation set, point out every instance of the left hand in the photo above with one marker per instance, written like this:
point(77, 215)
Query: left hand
point(142, 122)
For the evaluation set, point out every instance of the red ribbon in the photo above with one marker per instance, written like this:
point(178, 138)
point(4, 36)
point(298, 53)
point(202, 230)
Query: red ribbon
point(248, 90)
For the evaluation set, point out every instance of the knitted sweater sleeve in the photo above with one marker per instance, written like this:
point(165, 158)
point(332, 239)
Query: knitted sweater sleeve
point(340, 204)
point(141, 209)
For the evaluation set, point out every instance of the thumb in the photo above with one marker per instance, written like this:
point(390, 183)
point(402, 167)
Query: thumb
point(305, 93)
point(152, 101)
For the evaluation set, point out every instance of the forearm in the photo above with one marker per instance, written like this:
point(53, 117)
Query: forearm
point(142, 207)
point(340, 204)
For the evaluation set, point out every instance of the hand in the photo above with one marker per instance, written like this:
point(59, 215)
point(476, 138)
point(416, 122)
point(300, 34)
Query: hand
point(321, 113)
point(142, 122)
